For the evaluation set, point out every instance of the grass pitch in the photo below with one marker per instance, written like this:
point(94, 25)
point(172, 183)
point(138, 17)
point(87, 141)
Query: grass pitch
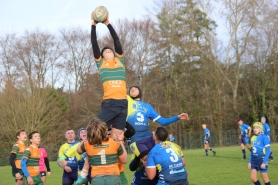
point(226, 168)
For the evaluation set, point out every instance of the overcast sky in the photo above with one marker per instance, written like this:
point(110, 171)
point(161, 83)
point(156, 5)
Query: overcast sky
point(20, 15)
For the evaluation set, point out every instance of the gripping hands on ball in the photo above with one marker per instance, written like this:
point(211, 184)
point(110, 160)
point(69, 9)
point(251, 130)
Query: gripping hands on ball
point(106, 22)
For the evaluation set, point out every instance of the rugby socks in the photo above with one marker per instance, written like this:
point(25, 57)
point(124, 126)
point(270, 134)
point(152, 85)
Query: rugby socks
point(257, 183)
point(211, 150)
point(244, 154)
point(267, 183)
point(206, 151)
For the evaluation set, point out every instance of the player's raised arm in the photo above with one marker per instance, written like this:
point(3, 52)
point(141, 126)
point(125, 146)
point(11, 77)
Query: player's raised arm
point(117, 44)
point(95, 46)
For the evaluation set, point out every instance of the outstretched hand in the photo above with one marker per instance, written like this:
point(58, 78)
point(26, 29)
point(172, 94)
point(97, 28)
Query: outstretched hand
point(93, 20)
point(183, 116)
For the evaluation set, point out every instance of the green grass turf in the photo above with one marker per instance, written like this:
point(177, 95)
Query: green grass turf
point(226, 168)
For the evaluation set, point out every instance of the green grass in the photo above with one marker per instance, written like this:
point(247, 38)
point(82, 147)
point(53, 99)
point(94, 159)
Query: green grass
point(226, 168)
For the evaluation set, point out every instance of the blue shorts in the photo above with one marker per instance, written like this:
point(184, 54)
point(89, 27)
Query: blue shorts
point(207, 140)
point(259, 169)
point(113, 113)
point(69, 178)
point(245, 140)
point(142, 147)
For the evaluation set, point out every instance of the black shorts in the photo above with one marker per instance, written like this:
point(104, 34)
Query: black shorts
point(43, 174)
point(113, 113)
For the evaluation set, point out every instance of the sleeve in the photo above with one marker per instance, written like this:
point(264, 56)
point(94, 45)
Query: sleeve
point(44, 153)
point(250, 158)
point(82, 147)
point(61, 150)
point(153, 115)
point(95, 46)
point(120, 150)
point(268, 129)
point(117, 44)
point(15, 149)
point(24, 167)
point(150, 161)
point(12, 162)
point(46, 162)
point(23, 163)
point(267, 149)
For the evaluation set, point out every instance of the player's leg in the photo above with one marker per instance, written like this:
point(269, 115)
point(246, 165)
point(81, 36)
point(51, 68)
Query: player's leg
point(43, 177)
point(19, 181)
point(247, 143)
point(205, 147)
point(265, 176)
point(119, 122)
point(213, 151)
point(37, 180)
point(66, 180)
point(242, 143)
point(254, 177)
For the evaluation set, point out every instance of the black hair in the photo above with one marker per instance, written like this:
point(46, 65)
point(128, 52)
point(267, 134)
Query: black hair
point(106, 47)
point(161, 134)
point(32, 133)
point(140, 92)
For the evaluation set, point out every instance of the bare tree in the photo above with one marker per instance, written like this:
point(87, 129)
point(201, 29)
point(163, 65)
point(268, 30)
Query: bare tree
point(77, 55)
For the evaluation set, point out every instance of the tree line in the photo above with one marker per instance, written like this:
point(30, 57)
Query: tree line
point(49, 81)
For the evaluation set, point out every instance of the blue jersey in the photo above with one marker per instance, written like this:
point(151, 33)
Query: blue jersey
point(244, 130)
point(138, 116)
point(206, 134)
point(167, 158)
point(73, 160)
point(257, 155)
point(266, 128)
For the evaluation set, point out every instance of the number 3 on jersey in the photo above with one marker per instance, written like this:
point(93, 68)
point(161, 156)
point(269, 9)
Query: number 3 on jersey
point(174, 157)
point(102, 156)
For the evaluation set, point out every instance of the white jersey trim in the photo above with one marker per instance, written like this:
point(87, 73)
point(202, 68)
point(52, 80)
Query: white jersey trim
point(154, 120)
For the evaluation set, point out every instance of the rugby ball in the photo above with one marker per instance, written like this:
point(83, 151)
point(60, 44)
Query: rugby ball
point(100, 14)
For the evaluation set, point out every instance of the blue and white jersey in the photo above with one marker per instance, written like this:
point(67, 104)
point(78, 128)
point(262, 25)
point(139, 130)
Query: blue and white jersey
point(259, 143)
point(167, 158)
point(138, 116)
point(206, 134)
point(244, 130)
point(266, 128)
